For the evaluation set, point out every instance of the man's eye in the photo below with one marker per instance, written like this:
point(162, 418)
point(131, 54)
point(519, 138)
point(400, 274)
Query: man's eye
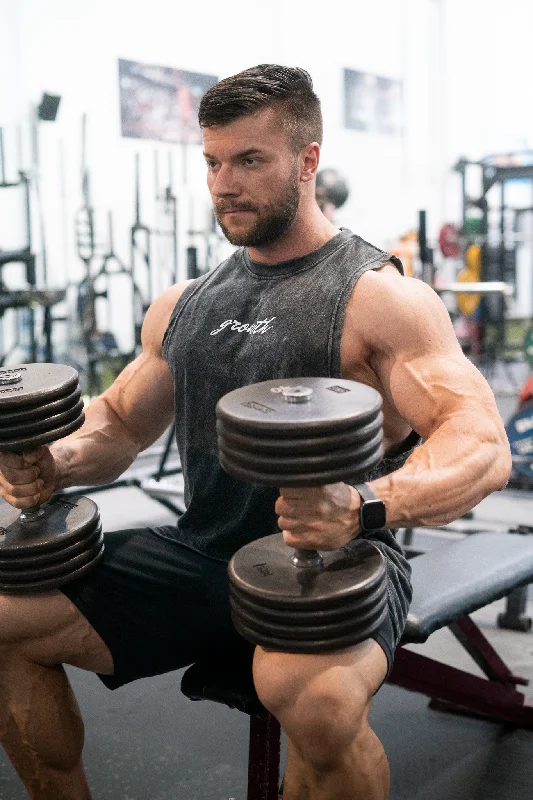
point(251, 161)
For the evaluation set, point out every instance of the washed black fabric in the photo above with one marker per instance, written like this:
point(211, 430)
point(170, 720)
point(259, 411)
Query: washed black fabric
point(240, 324)
point(159, 599)
point(243, 323)
point(157, 605)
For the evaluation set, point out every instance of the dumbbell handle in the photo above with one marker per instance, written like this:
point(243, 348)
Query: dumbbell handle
point(301, 558)
point(307, 558)
point(31, 514)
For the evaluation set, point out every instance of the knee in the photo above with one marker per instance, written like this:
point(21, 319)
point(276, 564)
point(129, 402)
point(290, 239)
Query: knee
point(323, 713)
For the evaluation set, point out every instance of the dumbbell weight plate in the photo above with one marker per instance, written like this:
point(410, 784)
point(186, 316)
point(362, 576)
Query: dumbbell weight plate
point(32, 442)
point(350, 458)
point(51, 556)
point(360, 603)
point(336, 405)
point(263, 569)
point(298, 446)
point(30, 384)
point(325, 645)
point(361, 624)
point(63, 522)
point(30, 428)
point(321, 478)
point(40, 411)
point(52, 583)
point(40, 572)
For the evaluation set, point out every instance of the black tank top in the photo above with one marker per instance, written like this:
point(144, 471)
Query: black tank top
point(242, 323)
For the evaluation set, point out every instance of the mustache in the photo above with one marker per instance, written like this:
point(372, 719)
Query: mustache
point(222, 207)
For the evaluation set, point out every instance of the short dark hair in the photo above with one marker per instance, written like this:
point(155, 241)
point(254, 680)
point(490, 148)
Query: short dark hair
point(289, 89)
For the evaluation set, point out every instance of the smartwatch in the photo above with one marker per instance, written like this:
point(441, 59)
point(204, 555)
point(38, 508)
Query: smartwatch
point(372, 511)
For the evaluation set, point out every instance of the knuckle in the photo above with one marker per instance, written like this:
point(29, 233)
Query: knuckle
point(26, 502)
point(25, 490)
point(20, 477)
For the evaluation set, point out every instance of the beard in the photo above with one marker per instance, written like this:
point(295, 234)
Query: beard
point(272, 222)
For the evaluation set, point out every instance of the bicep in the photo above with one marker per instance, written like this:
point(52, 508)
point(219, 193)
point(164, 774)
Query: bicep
point(142, 396)
point(421, 366)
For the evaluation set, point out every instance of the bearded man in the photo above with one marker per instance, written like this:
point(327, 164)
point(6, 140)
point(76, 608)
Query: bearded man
point(298, 297)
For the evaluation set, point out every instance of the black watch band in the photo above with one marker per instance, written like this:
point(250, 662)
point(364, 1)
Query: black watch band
point(372, 511)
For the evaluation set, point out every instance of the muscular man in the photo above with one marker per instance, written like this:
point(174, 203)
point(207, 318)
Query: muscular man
point(298, 297)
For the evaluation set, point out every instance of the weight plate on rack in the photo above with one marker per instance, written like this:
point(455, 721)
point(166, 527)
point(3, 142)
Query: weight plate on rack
point(519, 431)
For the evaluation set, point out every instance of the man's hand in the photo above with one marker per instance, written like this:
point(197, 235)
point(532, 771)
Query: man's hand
point(319, 518)
point(27, 478)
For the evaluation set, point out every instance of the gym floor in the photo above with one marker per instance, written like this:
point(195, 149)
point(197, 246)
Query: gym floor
point(146, 741)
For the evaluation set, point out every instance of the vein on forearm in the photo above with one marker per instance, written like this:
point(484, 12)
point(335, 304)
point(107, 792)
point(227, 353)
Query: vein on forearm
point(460, 463)
point(99, 452)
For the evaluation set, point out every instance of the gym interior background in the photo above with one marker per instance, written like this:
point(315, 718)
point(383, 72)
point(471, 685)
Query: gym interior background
point(103, 204)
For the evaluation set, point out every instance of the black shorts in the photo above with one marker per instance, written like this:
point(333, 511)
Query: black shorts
point(159, 605)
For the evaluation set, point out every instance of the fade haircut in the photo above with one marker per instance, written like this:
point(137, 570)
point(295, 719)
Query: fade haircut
point(288, 90)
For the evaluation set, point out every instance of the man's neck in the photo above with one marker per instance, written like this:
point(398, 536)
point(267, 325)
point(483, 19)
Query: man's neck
point(305, 236)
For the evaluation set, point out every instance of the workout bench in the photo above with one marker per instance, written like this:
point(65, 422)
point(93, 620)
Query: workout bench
point(449, 583)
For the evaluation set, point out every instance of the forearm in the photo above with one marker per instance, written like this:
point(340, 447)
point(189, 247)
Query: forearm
point(458, 465)
point(98, 452)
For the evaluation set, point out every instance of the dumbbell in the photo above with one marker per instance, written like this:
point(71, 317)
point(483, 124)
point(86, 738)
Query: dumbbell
point(48, 545)
point(299, 433)
point(331, 188)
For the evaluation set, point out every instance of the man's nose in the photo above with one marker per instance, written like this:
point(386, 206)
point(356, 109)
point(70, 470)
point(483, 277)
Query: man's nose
point(225, 184)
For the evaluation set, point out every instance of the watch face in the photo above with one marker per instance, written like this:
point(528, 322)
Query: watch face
point(374, 515)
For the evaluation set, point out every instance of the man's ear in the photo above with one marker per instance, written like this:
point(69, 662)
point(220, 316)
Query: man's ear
point(309, 159)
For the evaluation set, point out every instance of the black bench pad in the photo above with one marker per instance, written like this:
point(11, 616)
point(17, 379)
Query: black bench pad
point(226, 681)
point(460, 577)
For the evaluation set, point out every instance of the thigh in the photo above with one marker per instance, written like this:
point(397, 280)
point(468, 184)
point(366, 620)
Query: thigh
point(156, 604)
point(48, 629)
point(281, 678)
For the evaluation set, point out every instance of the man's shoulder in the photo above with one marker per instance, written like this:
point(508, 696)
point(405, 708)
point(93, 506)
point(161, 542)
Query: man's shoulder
point(355, 250)
point(166, 302)
point(158, 315)
point(386, 303)
point(385, 287)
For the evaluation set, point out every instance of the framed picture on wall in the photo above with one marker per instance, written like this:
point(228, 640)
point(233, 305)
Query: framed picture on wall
point(372, 103)
point(161, 103)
